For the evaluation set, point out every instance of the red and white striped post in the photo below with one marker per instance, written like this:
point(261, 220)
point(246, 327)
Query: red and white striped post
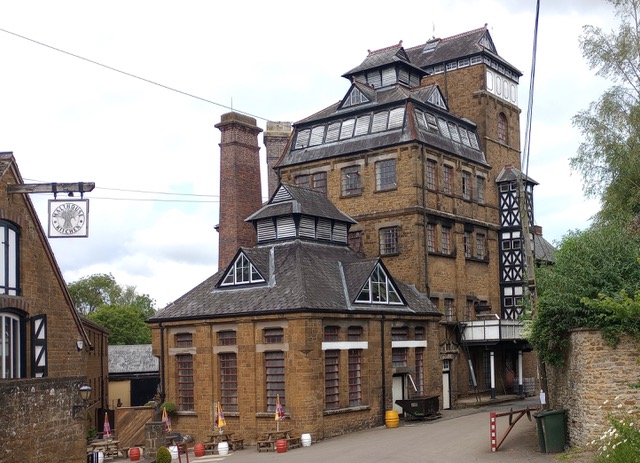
point(492, 426)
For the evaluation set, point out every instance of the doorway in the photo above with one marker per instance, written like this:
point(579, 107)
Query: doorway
point(446, 384)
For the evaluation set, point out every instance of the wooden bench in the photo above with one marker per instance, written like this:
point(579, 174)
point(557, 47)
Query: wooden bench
point(210, 448)
point(237, 444)
point(293, 442)
point(266, 445)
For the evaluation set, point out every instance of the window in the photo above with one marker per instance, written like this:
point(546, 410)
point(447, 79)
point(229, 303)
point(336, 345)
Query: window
point(184, 340)
point(185, 382)
point(467, 244)
point(303, 181)
point(273, 335)
point(10, 346)
point(227, 338)
point(351, 184)
point(480, 247)
point(331, 379)
point(420, 371)
point(319, 182)
point(446, 240)
point(242, 272)
point(502, 128)
point(378, 289)
point(355, 377)
point(229, 381)
point(431, 237)
point(354, 333)
point(466, 185)
point(9, 259)
point(399, 357)
point(355, 240)
point(389, 241)
point(431, 174)
point(480, 189)
point(386, 174)
point(447, 179)
point(448, 309)
point(331, 333)
point(274, 370)
point(399, 333)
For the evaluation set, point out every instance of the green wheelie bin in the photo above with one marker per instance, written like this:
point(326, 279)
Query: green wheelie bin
point(551, 430)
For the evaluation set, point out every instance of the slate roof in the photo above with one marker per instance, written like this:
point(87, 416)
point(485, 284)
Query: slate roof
point(455, 47)
point(511, 173)
point(304, 201)
point(544, 251)
point(382, 57)
point(301, 276)
point(387, 98)
point(132, 359)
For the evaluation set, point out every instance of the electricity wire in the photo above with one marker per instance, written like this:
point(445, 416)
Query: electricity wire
point(149, 81)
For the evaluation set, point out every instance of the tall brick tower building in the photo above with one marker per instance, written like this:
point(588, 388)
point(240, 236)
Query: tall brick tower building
point(423, 151)
point(275, 139)
point(240, 188)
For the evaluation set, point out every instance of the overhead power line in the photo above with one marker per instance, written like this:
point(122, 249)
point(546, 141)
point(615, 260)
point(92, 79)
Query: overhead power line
point(166, 87)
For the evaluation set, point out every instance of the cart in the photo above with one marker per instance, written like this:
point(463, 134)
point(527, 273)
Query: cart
point(420, 408)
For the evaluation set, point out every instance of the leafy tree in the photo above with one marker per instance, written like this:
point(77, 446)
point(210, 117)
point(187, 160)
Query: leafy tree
point(593, 268)
point(120, 309)
point(609, 156)
point(126, 324)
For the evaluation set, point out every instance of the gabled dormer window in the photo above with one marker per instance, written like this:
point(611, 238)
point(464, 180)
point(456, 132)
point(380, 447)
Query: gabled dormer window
point(356, 97)
point(242, 272)
point(436, 99)
point(379, 289)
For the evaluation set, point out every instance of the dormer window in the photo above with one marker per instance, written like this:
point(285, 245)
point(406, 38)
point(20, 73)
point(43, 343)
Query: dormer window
point(356, 97)
point(379, 289)
point(242, 272)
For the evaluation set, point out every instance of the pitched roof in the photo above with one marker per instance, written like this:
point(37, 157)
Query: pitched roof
point(132, 358)
point(511, 173)
point(301, 276)
point(299, 200)
point(543, 250)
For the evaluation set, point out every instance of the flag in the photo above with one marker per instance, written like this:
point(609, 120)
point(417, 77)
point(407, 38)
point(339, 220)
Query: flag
point(106, 428)
point(220, 422)
point(279, 415)
point(167, 421)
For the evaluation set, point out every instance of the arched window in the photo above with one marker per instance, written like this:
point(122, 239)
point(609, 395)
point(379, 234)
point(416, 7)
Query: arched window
point(502, 128)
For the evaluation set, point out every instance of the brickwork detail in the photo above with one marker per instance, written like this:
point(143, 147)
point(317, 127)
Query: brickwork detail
point(594, 373)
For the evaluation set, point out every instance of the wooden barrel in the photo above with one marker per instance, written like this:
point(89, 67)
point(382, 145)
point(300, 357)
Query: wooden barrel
point(281, 445)
point(198, 450)
point(391, 419)
point(223, 448)
point(134, 454)
point(305, 440)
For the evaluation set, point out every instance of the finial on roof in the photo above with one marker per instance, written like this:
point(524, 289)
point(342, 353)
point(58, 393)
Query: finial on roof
point(400, 43)
point(369, 51)
point(486, 24)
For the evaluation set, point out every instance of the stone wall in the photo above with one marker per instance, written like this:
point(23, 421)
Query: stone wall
point(593, 382)
point(37, 422)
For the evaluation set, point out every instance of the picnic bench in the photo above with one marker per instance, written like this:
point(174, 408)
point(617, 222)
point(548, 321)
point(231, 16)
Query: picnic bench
point(268, 441)
point(211, 446)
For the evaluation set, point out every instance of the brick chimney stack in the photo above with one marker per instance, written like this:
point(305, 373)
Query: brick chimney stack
point(240, 188)
point(275, 139)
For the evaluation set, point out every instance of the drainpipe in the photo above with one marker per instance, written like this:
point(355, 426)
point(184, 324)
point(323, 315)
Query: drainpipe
point(424, 220)
point(162, 385)
point(384, 376)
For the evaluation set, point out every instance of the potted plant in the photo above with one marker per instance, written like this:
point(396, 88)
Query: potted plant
point(170, 407)
point(163, 455)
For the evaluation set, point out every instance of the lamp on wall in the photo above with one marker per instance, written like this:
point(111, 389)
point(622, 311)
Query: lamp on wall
point(85, 394)
point(79, 344)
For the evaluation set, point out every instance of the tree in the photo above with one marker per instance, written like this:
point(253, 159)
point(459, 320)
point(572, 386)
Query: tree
point(89, 293)
point(609, 156)
point(597, 264)
point(120, 309)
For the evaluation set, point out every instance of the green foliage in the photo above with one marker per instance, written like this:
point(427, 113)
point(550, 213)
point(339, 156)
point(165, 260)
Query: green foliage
point(609, 156)
point(621, 442)
point(95, 291)
point(163, 455)
point(120, 309)
point(170, 407)
point(591, 266)
point(619, 314)
point(92, 433)
point(126, 324)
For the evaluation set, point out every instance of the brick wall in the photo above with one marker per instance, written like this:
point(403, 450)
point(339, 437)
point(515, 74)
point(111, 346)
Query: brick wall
point(37, 424)
point(240, 188)
point(275, 139)
point(594, 373)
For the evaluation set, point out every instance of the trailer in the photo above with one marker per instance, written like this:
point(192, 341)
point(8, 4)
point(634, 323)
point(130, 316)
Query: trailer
point(420, 408)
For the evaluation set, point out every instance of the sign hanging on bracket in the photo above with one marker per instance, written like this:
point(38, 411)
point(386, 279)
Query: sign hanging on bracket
point(68, 218)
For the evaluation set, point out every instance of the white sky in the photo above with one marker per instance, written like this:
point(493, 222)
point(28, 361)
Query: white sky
point(67, 120)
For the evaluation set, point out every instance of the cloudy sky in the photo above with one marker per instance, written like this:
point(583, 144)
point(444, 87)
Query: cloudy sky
point(153, 152)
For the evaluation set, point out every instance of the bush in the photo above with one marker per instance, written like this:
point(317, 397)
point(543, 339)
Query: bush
point(170, 407)
point(163, 455)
